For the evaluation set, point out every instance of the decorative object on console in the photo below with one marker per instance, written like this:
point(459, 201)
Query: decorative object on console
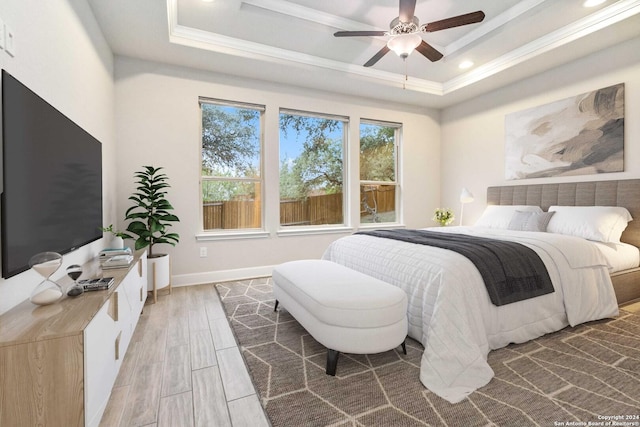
point(580, 135)
point(115, 258)
point(465, 197)
point(105, 254)
point(150, 219)
point(74, 271)
point(48, 291)
point(443, 216)
point(98, 284)
point(117, 237)
point(116, 261)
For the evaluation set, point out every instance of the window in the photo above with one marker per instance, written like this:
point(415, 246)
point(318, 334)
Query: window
point(311, 169)
point(379, 193)
point(231, 178)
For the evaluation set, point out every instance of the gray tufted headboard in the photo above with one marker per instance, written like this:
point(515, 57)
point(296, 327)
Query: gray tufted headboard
point(624, 193)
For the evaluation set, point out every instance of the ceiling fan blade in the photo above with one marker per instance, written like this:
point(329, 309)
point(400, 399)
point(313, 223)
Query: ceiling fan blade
point(359, 33)
point(382, 52)
point(407, 10)
point(429, 51)
point(456, 21)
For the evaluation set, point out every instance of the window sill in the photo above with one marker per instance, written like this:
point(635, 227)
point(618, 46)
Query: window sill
point(299, 231)
point(232, 235)
point(377, 226)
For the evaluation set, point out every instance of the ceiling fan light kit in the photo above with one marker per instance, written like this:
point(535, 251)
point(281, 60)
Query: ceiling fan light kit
point(404, 44)
point(405, 32)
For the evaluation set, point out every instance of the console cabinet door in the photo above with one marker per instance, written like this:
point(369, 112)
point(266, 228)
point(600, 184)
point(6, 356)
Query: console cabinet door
point(103, 356)
point(141, 278)
point(134, 288)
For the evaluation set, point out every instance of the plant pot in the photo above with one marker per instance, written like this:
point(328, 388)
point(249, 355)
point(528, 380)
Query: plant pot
point(117, 242)
point(159, 272)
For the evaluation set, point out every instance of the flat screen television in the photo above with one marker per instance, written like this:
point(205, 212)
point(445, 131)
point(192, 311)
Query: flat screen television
point(52, 180)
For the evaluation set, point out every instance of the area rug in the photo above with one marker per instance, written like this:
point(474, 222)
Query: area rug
point(589, 373)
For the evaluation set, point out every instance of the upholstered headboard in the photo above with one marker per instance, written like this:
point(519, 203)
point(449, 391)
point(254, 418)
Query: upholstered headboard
point(624, 193)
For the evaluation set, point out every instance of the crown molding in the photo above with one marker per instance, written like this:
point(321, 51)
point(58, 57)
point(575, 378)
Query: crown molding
point(603, 18)
point(200, 39)
point(206, 40)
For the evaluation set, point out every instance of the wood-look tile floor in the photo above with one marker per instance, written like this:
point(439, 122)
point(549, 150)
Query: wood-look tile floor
point(633, 306)
point(183, 368)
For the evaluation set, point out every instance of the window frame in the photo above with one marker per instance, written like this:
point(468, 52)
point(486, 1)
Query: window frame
point(236, 233)
point(397, 173)
point(346, 197)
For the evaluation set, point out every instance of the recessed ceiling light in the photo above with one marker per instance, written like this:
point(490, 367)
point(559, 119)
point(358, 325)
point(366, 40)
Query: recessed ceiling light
point(465, 64)
point(592, 3)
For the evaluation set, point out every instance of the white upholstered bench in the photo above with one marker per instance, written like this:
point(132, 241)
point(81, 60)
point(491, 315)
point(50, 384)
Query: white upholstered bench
point(344, 310)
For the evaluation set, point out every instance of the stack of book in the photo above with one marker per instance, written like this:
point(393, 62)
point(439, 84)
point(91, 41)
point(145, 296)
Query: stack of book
point(115, 258)
point(96, 284)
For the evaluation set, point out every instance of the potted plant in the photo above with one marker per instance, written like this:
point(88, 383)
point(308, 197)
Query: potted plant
point(150, 221)
point(117, 237)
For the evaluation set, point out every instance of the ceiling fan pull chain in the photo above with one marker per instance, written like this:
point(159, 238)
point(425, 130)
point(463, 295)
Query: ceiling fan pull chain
point(406, 76)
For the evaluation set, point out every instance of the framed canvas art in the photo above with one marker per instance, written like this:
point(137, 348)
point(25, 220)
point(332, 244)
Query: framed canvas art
point(580, 135)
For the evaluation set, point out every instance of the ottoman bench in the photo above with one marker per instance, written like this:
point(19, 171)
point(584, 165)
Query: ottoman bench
point(343, 309)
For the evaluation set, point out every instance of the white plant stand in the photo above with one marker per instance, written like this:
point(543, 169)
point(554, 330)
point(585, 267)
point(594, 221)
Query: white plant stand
point(159, 276)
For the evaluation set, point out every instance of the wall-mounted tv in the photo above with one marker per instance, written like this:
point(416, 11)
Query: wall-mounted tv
point(52, 179)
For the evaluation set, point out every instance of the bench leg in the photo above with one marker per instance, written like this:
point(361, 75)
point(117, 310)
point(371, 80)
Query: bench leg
point(276, 307)
point(404, 346)
point(332, 362)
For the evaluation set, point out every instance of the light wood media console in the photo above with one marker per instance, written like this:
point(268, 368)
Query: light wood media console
point(59, 362)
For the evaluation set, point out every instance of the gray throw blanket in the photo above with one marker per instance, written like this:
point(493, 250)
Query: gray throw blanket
point(511, 271)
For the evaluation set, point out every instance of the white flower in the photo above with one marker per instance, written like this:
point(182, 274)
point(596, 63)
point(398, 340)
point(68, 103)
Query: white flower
point(443, 216)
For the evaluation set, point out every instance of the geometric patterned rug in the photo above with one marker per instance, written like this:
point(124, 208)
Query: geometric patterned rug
point(571, 377)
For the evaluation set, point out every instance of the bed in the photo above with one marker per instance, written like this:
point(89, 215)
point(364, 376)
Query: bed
point(625, 193)
point(450, 312)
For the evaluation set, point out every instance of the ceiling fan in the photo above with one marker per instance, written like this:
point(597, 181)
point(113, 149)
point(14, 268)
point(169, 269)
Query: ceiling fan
point(405, 33)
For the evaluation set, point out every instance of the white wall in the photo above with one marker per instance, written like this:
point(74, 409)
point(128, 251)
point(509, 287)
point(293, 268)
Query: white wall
point(61, 55)
point(473, 132)
point(158, 123)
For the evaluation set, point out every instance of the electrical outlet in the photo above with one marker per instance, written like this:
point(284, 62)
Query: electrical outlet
point(203, 252)
point(9, 41)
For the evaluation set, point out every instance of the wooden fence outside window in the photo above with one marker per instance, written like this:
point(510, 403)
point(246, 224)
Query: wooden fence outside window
point(314, 210)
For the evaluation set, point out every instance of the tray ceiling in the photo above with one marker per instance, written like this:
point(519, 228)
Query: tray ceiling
point(292, 42)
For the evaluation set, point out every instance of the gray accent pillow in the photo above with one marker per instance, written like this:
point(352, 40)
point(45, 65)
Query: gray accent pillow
point(530, 221)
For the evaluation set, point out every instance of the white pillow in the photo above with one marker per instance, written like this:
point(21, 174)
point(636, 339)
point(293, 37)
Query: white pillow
point(499, 216)
point(599, 223)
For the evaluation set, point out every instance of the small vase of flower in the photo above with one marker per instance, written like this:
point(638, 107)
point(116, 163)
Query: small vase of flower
point(117, 237)
point(443, 216)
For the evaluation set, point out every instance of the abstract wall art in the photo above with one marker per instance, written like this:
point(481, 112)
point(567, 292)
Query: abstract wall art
point(580, 135)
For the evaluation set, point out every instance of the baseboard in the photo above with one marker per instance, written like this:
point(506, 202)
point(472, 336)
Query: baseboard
point(220, 276)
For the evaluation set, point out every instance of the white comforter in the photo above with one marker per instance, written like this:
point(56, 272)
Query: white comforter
point(451, 314)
